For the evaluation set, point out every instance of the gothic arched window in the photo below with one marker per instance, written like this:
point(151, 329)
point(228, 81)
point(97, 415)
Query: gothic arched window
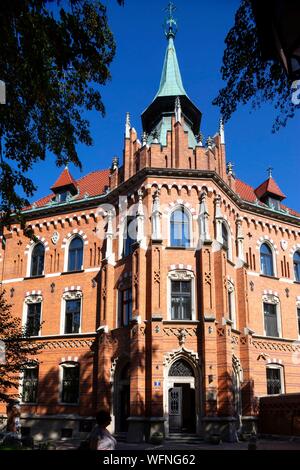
point(225, 239)
point(37, 260)
point(297, 266)
point(266, 260)
point(75, 254)
point(180, 228)
point(181, 368)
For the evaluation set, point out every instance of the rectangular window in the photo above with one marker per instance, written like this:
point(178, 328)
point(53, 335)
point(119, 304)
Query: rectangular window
point(298, 317)
point(30, 385)
point(274, 385)
point(33, 319)
point(70, 384)
point(181, 300)
point(270, 316)
point(72, 320)
point(125, 304)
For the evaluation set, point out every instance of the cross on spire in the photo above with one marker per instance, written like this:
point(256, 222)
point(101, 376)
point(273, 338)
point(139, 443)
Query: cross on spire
point(170, 23)
point(270, 170)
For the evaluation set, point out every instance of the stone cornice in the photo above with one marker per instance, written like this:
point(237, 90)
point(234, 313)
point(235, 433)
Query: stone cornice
point(135, 181)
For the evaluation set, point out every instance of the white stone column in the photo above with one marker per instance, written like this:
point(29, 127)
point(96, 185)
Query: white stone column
point(156, 217)
point(140, 219)
point(240, 239)
point(218, 219)
point(203, 218)
point(109, 255)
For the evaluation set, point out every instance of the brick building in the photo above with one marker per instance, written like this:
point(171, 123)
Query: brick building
point(165, 290)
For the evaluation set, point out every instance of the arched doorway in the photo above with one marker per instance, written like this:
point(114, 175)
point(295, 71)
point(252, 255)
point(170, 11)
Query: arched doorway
point(181, 398)
point(122, 397)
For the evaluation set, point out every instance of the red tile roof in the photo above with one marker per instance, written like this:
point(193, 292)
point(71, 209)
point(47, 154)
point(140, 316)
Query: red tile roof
point(93, 184)
point(248, 193)
point(269, 187)
point(64, 179)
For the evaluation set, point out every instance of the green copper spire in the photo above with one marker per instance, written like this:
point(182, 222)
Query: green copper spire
point(170, 82)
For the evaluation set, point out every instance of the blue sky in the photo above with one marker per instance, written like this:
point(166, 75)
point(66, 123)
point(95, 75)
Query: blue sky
point(136, 71)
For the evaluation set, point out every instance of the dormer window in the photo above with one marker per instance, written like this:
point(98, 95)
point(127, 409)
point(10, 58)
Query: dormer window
point(273, 203)
point(63, 196)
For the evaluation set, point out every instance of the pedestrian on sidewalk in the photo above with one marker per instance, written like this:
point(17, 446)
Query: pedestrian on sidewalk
point(100, 437)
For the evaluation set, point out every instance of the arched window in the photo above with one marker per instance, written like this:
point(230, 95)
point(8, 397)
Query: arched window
point(225, 239)
point(297, 266)
point(266, 260)
point(75, 254)
point(181, 368)
point(180, 228)
point(37, 260)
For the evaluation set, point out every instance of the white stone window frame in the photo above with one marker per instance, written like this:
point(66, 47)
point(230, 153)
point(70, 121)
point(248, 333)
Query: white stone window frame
point(70, 295)
point(181, 275)
point(281, 368)
point(190, 221)
point(67, 247)
point(297, 308)
point(32, 298)
point(29, 366)
point(295, 252)
point(231, 292)
point(274, 258)
point(60, 383)
point(29, 257)
point(274, 300)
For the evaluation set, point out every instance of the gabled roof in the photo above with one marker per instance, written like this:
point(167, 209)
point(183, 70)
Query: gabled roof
point(269, 187)
point(91, 185)
point(64, 179)
point(248, 194)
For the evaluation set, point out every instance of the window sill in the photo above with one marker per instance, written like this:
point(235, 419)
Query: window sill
point(32, 403)
point(34, 277)
point(190, 248)
point(72, 272)
point(269, 277)
point(180, 321)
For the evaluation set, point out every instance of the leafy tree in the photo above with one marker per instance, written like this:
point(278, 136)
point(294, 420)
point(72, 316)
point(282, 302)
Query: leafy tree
point(16, 351)
point(54, 56)
point(248, 77)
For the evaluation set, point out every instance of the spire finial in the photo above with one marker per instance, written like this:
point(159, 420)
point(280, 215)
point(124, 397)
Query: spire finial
point(127, 126)
point(170, 23)
point(270, 170)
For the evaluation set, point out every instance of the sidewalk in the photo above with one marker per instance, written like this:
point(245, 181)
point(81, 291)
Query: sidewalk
point(262, 444)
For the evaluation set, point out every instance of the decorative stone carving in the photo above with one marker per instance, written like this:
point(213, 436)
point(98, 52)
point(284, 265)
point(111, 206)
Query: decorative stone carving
point(33, 299)
point(284, 244)
point(72, 295)
point(55, 238)
point(271, 299)
point(181, 275)
point(182, 353)
point(182, 336)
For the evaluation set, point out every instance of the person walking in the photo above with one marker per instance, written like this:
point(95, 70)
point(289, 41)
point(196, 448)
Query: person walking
point(100, 438)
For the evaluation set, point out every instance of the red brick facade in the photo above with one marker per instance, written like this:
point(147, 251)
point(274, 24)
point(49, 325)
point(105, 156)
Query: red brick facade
point(223, 350)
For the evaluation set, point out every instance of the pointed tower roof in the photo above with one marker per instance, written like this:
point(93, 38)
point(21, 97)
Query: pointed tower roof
point(269, 188)
point(170, 86)
point(170, 82)
point(64, 180)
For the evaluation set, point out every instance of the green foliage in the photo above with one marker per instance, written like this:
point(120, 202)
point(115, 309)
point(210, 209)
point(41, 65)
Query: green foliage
point(248, 77)
point(19, 350)
point(54, 56)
